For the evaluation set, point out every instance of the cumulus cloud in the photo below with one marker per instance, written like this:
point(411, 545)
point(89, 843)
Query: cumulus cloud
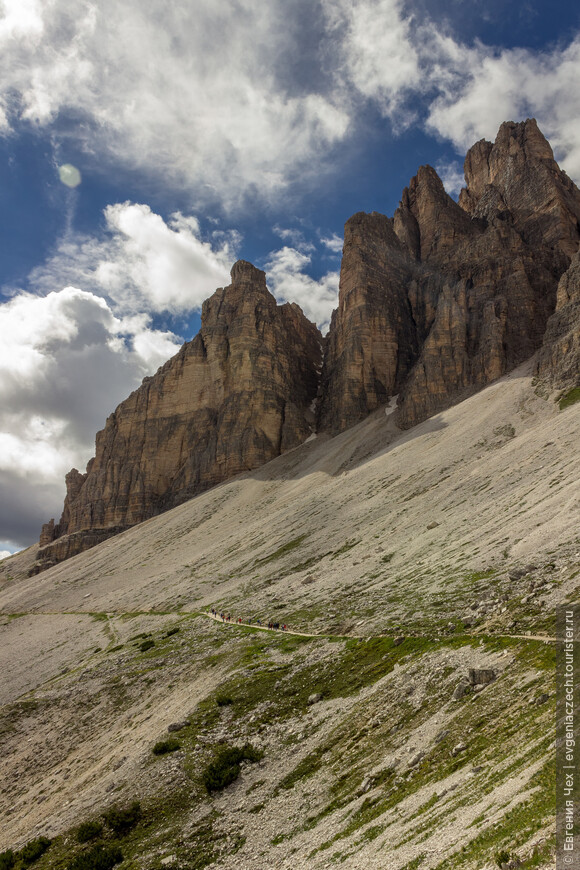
point(190, 91)
point(380, 58)
point(65, 361)
point(511, 85)
point(289, 283)
point(143, 263)
point(235, 98)
point(451, 174)
point(415, 71)
point(334, 243)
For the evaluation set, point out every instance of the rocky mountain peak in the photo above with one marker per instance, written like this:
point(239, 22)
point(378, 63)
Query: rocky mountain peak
point(439, 221)
point(243, 272)
point(434, 303)
point(235, 397)
point(467, 293)
point(519, 171)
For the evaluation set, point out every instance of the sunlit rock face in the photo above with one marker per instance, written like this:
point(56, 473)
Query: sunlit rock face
point(434, 303)
point(445, 297)
point(235, 397)
point(559, 361)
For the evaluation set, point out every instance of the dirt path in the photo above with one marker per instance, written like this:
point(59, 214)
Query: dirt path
point(356, 636)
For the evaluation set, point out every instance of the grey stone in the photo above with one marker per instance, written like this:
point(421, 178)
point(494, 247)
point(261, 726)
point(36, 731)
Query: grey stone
point(314, 698)
point(481, 677)
point(417, 759)
point(365, 786)
point(517, 573)
point(463, 688)
point(178, 726)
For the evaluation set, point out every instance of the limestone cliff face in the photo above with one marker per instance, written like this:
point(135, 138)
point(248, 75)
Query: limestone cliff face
point(235, 397)
point(446, 297)
point(372, 342)
point(559, 360)
point(434, 303)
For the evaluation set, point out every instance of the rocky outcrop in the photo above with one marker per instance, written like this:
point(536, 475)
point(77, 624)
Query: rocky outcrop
point(559, 361)
point(235, 397)
point(446, 297)
point(519, 171)
point(373, 341)
point(434, 303)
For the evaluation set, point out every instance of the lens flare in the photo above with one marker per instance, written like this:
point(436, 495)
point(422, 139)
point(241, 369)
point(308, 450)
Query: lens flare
point(69, 175)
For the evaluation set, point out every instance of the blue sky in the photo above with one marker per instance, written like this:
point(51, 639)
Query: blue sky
point(210, 130)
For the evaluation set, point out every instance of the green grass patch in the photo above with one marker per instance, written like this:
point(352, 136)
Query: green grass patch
point(99, 857)
point(89, 830)
point(281, 551)
point(29, 854)
point(146, 645)
point(163, 747)
point(569, 398)
point(225, 768)
point(121, 821)
point(349, 545)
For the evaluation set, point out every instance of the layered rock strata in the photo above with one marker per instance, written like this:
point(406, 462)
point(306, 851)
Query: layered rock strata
point(445, 297)
point(434, 303)
point(235, 397)
point(559, 361)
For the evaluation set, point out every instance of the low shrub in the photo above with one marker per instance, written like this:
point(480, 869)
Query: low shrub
point(225, 768)
point(30, 853)
point(99, 857)
point(224, 700)
point(89, 831)
point(34, 850)
point(122, 821)
point(502, 858)
point(147, 644)
point(162, 747)
point(7, 860)
point(172, 631)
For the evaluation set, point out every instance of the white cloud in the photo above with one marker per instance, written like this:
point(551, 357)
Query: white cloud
point(190, 91)
point(411, 68)
point(65, 361)
point(144, 263)
point(334, 243)
point(512, 85)
point(229, 99)
point(295, 237)
point(289, 283)
point(168, 264)
point(380, 59)
point(451, 174)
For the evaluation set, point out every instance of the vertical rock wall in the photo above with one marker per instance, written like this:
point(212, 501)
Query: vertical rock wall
point(235, 397)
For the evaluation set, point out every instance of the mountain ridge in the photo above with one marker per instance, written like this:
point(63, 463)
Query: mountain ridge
point(434, 303)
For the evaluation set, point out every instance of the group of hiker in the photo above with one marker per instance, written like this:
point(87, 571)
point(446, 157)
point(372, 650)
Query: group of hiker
point(225, 617)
